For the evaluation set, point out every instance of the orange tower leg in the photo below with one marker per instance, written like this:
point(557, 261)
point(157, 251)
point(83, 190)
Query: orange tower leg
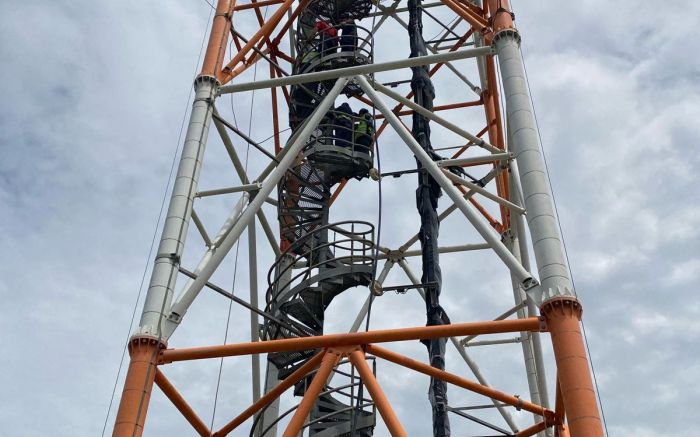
point(563, 315)
point(137, 387)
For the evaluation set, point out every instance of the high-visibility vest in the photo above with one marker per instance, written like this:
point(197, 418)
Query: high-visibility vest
point(343, 116)
point(364, 126)
point(309, 56)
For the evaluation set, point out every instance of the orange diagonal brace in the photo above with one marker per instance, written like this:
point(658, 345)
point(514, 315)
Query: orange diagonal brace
point(338, 190)
point(391, 421)
point(459, 381)
point(559, 411)
point(530, 324)
point(479, 207)
point(257, 5)
point(263, 31)
point(463, 149)
point(183, 407)
point(300, 7)
point(328, 362)
point(271, 395)
point(477, 22)
point(532, 430)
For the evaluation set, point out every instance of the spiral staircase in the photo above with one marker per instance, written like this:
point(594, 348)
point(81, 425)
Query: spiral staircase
point(322, 260)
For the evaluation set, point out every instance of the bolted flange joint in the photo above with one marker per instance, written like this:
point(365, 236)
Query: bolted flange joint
point(509, 32)
point(567, 306)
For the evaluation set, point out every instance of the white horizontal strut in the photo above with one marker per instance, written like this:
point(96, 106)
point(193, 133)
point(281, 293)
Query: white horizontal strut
point(353, 71)
point(483, 229)
point(290, 152)
point(484, 192)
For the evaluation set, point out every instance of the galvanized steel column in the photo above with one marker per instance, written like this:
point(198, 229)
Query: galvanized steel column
point(541, 217)
point(172, 241)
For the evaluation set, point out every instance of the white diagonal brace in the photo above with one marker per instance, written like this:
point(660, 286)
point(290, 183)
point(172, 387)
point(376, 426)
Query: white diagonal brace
point(437, 119)
point(486, 232)
point(240, 170)
point(463, 353)
point(484, 192)
point(180, 307)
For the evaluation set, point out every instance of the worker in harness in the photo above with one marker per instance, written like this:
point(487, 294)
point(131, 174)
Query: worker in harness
point(344, 125)
point(348, 35)
point(364, 131)
point(308, 59)
point(329, 38)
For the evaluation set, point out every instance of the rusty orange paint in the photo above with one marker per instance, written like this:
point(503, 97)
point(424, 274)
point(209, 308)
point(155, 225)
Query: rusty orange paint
point(328, 363)
point(338, 190)
point(500, 11)
point(226, 74)
point(391, 421)
point(300, 7)
point(463, 149)
point(459, 381)
point(273, 394)
point(495, 130)
point(439, 108)
point(469, 15)
point(138, 386)
point(257, 5)
point(182, 406)
point(530, 324)
point(532, 430)
point(563, 315)
point(216, 48)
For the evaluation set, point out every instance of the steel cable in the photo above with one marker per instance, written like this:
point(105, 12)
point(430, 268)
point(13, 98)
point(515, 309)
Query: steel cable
point(566, 252)
point(235, 268)
point(155, 234)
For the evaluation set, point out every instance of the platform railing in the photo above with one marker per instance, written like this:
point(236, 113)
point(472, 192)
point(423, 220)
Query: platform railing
point(321, 51)
point(349, 244)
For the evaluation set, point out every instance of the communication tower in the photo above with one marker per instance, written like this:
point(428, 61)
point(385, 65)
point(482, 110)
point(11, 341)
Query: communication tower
point(340, 90)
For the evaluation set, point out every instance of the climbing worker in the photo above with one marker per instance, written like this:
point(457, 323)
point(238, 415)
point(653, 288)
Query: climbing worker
point(326, 127)
point(348, 35)
point(364, 131)
point(343, 125)
point(308, 59)
point(306, 27)
point(329, 37)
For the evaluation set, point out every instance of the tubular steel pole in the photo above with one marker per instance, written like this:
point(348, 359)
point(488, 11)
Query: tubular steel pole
point(353, 71)
point(272, 395)
point(148, 339)
point(329, 361)
point(183, 407)
point(290, 153)
point(558, 302)
point(459, 381)
point(254, 331)
point(351, 339)
point(485, 231)
point(391, 421)
point(138, 385)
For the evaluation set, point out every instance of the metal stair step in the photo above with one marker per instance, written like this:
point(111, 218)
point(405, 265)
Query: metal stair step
point(282, 360)
point(298, 309)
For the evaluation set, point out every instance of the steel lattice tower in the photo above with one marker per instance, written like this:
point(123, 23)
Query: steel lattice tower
point(319, 53)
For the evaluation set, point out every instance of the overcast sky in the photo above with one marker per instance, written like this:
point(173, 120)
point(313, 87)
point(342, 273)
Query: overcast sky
point(93, 96)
